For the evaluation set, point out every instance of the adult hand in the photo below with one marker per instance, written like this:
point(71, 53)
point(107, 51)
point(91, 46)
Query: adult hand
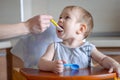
point(38, 23)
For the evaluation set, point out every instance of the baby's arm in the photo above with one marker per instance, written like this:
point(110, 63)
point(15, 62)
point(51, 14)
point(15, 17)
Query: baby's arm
point(106, 61)
point(46, 63)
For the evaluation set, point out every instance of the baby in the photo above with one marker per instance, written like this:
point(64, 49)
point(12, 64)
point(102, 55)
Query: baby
point(77, 23)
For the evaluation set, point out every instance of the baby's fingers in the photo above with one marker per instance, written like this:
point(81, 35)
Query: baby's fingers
point(110, 70)
point(59, 70)
point(118, 72)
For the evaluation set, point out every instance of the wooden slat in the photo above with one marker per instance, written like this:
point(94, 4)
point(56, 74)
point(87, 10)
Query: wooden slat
point(3, 68)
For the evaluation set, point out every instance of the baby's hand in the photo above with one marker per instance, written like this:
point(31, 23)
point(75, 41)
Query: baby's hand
point(116, 68)
point(58, 66)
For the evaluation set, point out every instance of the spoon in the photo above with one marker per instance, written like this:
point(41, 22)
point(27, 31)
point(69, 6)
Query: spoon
point(55, 24)
point(72, 66)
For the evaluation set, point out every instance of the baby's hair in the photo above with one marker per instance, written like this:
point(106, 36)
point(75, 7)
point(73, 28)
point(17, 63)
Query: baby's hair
point(84, 17)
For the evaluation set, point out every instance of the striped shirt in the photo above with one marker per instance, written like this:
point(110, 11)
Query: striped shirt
point(80, 55)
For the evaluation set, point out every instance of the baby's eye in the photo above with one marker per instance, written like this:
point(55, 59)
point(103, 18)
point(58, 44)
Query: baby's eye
point(60, 17)
point(67, 17)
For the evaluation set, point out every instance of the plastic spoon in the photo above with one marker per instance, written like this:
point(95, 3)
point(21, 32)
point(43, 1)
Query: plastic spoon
point(72, 66)
point(55, 24)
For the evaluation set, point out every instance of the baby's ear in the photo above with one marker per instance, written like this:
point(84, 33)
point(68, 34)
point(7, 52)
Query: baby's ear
point(82, 28)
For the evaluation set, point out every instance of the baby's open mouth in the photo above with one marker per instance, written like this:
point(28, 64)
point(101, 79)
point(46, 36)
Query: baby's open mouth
point(60, 28)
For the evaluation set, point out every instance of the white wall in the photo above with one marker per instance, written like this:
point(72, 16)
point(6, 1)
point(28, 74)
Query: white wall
point(9, 11)
point(106, 13)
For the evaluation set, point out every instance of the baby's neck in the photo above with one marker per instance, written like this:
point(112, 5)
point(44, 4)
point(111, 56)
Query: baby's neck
point(72, 43)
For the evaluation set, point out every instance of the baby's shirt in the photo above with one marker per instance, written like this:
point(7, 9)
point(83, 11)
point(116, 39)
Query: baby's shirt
point(32, 47)
point(80, 55)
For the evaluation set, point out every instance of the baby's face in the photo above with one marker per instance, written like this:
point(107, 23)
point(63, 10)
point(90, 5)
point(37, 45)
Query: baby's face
point(68, 20)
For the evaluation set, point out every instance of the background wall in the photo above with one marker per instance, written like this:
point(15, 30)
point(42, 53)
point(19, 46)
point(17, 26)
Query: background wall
point(106, 13)
point(9, 11)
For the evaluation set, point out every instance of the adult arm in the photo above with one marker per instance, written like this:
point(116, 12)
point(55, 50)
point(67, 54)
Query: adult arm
point(13, 30)
point(35, 24)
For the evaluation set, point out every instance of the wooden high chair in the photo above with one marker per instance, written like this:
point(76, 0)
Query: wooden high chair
point(95, 73)
point(5, 60)
point(8, 62)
